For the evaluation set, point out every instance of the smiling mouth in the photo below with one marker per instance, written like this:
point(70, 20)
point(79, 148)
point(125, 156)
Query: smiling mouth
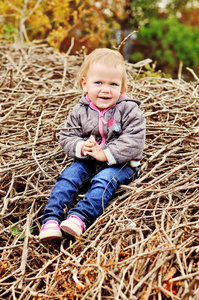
point(105, 98)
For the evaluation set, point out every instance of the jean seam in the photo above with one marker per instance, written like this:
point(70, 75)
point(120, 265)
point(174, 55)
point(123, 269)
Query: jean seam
point(76, 194)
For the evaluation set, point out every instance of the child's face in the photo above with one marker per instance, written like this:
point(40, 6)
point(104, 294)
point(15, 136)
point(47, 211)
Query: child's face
point(103, 84)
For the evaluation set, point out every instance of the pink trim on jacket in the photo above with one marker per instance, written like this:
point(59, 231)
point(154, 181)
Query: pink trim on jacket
point(101, 118)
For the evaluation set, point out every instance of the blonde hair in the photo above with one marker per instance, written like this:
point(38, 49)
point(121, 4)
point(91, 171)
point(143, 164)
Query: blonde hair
point(106, 56)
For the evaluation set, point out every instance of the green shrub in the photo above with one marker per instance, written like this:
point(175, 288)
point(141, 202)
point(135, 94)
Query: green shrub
point(167, 41)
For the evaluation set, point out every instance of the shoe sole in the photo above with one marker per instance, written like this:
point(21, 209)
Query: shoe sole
point(76, 231)
point(52, 236)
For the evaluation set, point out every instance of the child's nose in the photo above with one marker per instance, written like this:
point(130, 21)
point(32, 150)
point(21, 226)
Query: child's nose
point(105, 88)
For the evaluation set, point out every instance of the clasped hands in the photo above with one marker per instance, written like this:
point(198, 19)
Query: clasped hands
point(92, 148)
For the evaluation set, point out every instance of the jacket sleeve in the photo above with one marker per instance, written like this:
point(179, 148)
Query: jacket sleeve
point(72, 139)
point(130, 143)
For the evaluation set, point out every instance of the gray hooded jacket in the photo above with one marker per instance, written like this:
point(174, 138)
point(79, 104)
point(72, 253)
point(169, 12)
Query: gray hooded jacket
point(119, 130)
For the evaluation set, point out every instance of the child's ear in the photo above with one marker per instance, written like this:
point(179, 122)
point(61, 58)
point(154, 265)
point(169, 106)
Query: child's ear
point(83, 82)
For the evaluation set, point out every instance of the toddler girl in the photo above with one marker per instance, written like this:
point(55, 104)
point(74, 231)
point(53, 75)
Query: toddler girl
point(106, 141)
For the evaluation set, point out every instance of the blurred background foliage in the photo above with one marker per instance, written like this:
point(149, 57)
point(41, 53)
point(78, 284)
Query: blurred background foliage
point(168, 29)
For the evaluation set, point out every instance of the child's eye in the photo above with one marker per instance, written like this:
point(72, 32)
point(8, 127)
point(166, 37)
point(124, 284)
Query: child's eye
point(114, 84)
point(98, 82)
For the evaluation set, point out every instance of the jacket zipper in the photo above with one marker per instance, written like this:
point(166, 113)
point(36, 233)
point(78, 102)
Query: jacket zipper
point(101, 120)
point(101, 131)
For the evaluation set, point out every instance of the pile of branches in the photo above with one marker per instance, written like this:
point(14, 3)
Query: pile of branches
point(146, 243)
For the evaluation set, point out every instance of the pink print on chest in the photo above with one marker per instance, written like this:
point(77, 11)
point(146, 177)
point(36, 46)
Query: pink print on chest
point(111, 122)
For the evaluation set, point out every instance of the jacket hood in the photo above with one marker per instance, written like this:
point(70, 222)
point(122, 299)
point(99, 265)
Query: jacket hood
point(123, 97)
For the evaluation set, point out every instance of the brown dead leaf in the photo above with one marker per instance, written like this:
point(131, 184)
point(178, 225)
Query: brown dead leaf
point(170, 273)
point(169, 285)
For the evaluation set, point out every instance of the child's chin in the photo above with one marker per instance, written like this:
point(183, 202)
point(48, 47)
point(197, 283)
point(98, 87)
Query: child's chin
point(102, 107)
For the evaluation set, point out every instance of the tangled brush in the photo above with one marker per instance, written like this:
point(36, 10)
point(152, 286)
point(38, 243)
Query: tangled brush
point(145, 244)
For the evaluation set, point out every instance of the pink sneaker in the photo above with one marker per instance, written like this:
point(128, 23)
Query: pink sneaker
point(50, 230)
point(73, 225)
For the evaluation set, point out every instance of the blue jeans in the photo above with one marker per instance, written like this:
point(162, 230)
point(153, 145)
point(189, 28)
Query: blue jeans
point(104, 180)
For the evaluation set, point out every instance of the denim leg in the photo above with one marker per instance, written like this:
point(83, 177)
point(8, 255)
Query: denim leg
point(65, 190)
point(104, 186)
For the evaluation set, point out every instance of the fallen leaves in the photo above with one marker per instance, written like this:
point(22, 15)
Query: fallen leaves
point(167, 285)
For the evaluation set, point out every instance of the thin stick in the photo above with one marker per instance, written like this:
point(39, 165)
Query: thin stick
point(126, 38)
point(25, 251)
